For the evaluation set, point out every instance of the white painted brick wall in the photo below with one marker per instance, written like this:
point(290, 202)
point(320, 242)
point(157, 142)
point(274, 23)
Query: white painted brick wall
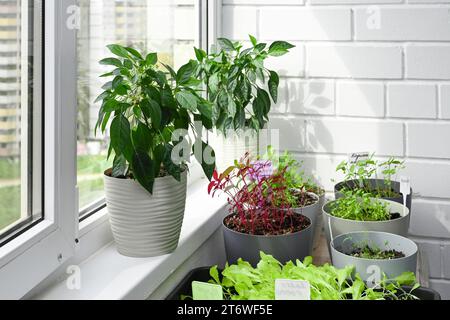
point(354, 61)
point(402, 24)
point(428, 139)
point(428, 62)
point(406, 100)
point(305, 23)
point(306, 97)
point(444, 94)
point(346, 136)
point(351, 87)
point(363, 99)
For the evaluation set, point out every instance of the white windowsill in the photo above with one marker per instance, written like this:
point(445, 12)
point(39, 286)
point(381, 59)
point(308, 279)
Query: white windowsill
point(108, 275)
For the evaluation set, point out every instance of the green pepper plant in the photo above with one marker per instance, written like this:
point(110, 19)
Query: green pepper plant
point(148, 112)
point(238, 84)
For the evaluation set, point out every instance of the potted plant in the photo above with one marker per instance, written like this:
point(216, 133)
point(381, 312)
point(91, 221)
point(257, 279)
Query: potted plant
point(147, 115)
point(260, 214)
point(390, 253)
point(299, 184)
point(372, 176)
point(358, 211)
point(241, 91)
point(242, 281)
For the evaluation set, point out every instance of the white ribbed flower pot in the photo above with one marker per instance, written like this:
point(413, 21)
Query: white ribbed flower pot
point(145, 225)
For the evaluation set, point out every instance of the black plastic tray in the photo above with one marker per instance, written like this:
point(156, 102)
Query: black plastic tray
point(202, 274)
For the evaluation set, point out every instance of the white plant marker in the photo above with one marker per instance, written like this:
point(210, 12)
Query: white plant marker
point(405, 190)
point(358, 156)
point(292, 289)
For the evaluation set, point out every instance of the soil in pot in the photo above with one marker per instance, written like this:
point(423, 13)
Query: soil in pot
point(304, 199)
point(368, 252)
point(288, 223)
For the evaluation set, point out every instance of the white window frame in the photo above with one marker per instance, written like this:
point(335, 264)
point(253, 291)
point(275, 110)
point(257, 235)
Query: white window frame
point(29, 258)
point(39, 256)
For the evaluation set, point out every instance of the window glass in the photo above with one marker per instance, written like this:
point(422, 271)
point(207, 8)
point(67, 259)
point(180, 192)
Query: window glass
point(163, 26)
point(20, 115)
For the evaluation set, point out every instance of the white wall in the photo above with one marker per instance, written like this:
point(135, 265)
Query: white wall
point(367, 75)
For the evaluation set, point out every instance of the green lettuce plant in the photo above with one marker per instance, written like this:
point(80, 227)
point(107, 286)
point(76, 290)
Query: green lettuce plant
point(148, 112)
point(241, 281)
point(368, 168)
point(359, 205)
point(238, 84)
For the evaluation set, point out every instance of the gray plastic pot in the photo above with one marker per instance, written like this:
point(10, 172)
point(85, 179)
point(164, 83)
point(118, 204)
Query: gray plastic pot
point(284, 248)
point(312, 212)
point(395, 185)
point(145, 225)
point(335, 226)
point(371, 269)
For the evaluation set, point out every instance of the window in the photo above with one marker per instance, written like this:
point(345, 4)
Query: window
point(21, 116)
point(170, 28)
point(48, 81)
point(38, 180)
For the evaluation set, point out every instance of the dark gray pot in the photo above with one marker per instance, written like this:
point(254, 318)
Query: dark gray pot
point(344, 243)
point(373, 183)
point(312, 212)
point(284, 247)
point(339, 226)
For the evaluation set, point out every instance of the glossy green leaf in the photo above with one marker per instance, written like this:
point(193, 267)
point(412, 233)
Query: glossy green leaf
point(142, 138)
point(143, 170)
point(226, 44)
point(118, 50)
point(253, 40)
point(279, 48)
point(135, 53)
point(120, 167)
point(121, 136)
point(152, 58)
point(173, 169)
point(274, 82)
point(111, 62)
point(187, 100)
point(155, 114)
point(206, 157)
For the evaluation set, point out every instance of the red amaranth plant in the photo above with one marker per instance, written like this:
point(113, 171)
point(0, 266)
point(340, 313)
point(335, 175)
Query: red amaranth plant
point(251, 188)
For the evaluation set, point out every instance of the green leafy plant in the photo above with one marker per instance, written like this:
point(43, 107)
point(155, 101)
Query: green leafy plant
point(364, 169)
point(241, 281)
point(238, 84)
point(144, 107)
point(294, 174)
point(359, 205)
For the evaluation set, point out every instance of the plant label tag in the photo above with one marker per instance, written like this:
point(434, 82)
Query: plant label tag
point(405, 188)
point(292, 290)
point(206, 291)
point(358, 156)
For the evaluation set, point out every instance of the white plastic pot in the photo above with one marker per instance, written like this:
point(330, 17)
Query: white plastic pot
point(145, 225)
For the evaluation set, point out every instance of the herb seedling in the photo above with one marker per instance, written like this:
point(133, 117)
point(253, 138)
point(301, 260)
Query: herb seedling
point(359, 205)
point(295, 176)
point(368, 168)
